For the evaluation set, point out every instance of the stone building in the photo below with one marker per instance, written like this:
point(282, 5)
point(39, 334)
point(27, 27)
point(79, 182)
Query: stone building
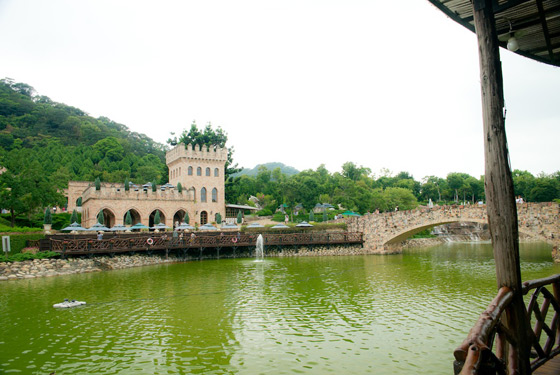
point(200, 170)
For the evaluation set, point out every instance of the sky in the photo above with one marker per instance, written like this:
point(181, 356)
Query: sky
point(388, 85)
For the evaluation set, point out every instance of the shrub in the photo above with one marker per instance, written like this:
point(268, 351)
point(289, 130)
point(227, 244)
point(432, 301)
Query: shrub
point(19, 241)
point(29, 256)
point(265, 212)
point(279, 216)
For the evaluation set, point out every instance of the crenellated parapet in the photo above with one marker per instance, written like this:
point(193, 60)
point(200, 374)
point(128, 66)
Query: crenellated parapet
point(196, 152)
point(110, 192)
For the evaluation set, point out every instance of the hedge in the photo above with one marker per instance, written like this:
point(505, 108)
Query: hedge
point(19, 241)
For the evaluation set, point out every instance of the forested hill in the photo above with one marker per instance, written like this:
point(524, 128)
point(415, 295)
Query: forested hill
point(285, 169)
point(70, 144)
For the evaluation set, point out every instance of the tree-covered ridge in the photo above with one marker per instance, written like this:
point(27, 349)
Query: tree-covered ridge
point(71, 145)
point(357, 189)
point(287, 170)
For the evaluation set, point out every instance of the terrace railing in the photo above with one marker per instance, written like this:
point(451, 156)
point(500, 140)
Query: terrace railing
point(490, 348)
point(81, 246)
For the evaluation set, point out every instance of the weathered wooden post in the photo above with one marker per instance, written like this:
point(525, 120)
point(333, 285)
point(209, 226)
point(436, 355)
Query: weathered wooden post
point(502, 213)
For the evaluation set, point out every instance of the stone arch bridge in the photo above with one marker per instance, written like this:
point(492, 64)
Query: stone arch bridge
point(385, 232)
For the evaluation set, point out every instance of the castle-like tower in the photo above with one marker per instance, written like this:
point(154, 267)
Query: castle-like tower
point(199, 170)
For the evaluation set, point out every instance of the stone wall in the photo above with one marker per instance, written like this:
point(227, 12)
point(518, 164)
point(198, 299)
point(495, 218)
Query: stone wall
point(36, 268)
point(386, 232)
point(31, 269)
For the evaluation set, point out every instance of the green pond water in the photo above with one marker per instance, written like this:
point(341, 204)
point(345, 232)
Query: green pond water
point(399, 314)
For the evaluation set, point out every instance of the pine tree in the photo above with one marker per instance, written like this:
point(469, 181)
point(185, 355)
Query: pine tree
point(126, 184)
point(239, 217)
point(157, 218)
point(97, 184)
point(179, 188)
point(128, 218)
point(100, 218)
point(74, 217)
point(48, 217)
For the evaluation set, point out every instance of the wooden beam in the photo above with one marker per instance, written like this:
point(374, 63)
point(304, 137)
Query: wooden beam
point(545, 30)
point(502, 212)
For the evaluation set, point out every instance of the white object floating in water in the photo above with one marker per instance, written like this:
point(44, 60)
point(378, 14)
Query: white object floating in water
point(67, 303)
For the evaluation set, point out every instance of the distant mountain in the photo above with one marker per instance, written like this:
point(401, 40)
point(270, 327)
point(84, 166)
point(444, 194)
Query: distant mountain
point(287, 170)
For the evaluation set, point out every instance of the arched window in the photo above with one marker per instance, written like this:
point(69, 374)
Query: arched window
point(216, 172)
point(203, 195)
point(207, 171)
point(190, 171)
point(199, 171)
point(214, 195)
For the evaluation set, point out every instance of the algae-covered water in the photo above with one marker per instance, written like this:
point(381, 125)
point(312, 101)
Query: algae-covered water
point(399, 314)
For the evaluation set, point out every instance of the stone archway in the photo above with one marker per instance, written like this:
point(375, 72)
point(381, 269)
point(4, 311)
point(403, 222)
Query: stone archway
point(178, 217)
point(134, 215)
point(108, 218)
point(152, 216)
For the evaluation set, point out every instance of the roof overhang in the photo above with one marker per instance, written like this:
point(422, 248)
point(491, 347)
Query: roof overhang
point(534, 23)
point(241, 207)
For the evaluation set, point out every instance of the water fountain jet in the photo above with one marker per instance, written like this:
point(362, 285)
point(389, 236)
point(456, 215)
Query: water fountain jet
point(259, 250)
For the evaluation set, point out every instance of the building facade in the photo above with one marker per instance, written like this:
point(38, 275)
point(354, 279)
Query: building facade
point(199, 170)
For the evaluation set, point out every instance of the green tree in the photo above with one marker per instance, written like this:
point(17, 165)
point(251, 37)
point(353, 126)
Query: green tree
point(179, 188)
point(218, 218)
point(154, 187)
point(97, 184)
point(48, 216)
point(456, 181)
point(157, 218)
point(351, 171)
point(239, 217)
point(403, 198)
point(74, 217)
point(126, 184)
point(544, 190)
point(208, 138)
point(24, 186)
point(101, 218)
point(128, 218)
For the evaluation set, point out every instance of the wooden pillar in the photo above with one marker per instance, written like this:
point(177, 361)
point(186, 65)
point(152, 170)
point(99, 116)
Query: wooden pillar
point(502, 213)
